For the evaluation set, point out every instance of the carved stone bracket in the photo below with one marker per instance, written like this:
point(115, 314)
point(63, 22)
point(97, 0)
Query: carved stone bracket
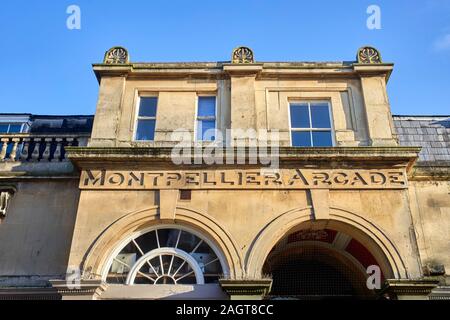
point(246, 289)
point(369, 55)
point(410, 289)
point(86, 290)
point(243, 55)
point(117, 55)
point(6, 194)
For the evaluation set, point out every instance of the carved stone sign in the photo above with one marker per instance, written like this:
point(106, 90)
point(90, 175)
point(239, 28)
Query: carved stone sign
point(244, 179)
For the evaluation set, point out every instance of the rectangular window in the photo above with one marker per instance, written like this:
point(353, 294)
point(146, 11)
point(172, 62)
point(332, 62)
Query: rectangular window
point(206, 119)
point(146, 121)
point(311, 124)
point(11, 128)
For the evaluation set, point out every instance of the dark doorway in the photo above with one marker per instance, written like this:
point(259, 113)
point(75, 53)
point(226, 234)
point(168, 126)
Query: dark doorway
point(302, 278)
point(314, 270)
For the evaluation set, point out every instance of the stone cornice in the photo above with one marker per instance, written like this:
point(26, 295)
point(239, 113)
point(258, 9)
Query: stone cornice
point(430, 173)
point(29, 294)
point(364, 156)
point(380, 69)
point(86, 288)
point(421, 287)
point(246, 288)
point(223, 69)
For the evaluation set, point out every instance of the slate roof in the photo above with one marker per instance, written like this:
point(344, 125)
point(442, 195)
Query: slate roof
point(61, 124)
point(432, 133)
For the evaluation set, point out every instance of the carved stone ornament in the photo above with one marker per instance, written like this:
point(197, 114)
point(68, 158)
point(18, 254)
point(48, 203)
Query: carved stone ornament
point(116, 55)
point(6, 195)
point(243, 55)
point(369, 55)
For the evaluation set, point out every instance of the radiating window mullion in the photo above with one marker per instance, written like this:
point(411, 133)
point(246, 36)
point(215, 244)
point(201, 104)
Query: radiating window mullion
point(164, 256)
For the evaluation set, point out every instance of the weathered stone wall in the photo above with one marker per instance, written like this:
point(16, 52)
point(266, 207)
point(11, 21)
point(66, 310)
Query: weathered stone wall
point(430, 208)
point(246, 216)
point(35, 236)
point(246, 99)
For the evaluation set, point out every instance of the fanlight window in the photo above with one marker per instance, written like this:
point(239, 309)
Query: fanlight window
point(165, 256)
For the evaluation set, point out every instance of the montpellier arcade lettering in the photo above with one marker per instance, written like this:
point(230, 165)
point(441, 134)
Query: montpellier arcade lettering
point(244, 179)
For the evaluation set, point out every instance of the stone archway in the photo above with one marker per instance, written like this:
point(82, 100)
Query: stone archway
point(369, 235)
point(314, 263)
point(96, 259)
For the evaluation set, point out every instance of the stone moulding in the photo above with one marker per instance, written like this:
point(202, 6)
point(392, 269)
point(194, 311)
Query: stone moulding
point(398, 156)
point(29, 294)
point(430, 173)
point(268, 70)
point(87, 289)
point(406, 287)
point(441, 293)
point(250, 289)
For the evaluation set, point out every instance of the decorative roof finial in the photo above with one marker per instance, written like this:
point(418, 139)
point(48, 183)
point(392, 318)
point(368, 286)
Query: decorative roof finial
point(243, 55)
point(369, 55)
point(117, 55)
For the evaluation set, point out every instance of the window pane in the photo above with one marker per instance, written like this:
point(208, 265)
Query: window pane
point(15, 128)
point(320, 115)
point(4, 128)
point(207, 106)
point(301, 139)
point(299, 116)
point(148, 107)
point(322, 139)
point(206, 130)
point(146, 130)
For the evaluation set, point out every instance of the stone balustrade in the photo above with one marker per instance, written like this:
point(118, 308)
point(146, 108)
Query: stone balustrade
point(26, 147)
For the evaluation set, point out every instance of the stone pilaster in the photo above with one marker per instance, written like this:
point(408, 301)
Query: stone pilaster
point(243, 99)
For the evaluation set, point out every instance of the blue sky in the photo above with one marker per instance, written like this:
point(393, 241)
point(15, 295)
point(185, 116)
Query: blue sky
point(47, 67)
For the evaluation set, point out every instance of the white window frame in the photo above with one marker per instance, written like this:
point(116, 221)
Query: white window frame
point(310, 129)
point(197, 118)
point(122, 244)
point(138, 118)
point(174, 252)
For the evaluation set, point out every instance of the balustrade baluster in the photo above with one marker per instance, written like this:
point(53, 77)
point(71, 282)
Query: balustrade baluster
point(47, 152)
point(28, 148)
point(36, 151)
point(13, 154)
point(58, 151)
point(4, 142)
point(25, 149)
point(70, 142)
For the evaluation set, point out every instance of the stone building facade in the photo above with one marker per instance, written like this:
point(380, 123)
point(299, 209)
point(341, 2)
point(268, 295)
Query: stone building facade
point(240, 179)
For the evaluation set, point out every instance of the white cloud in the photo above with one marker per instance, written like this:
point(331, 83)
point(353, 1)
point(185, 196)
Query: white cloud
point(442, 43)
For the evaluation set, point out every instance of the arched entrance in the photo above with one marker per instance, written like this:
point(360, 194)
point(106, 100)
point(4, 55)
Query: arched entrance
point(165, 254)
point(320, 263)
